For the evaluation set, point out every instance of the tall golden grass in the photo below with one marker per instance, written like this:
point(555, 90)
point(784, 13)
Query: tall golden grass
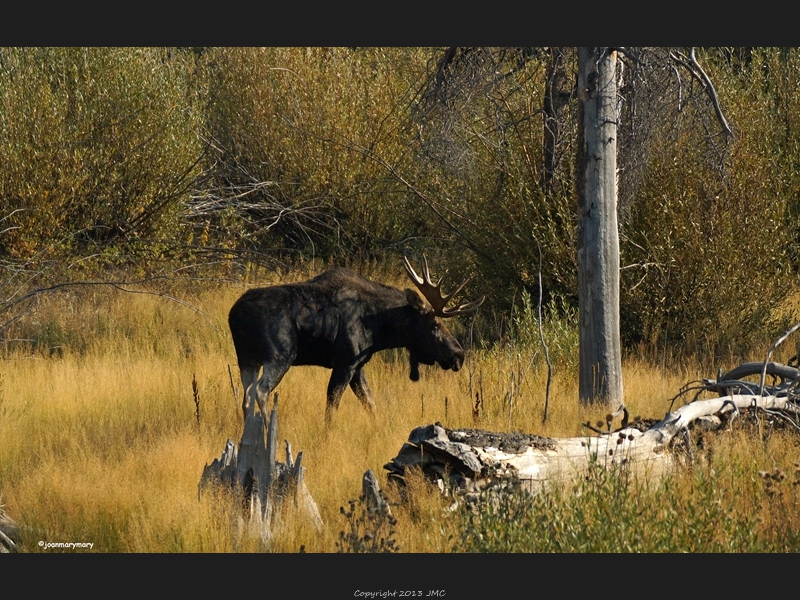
point(101, 440)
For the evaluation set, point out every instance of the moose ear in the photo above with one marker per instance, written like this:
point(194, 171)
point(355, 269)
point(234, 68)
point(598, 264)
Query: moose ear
point(417, 303)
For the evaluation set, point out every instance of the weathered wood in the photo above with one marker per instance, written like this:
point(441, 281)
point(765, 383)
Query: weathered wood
point(9, 531)
point(289, 459)
point(263, 482)
point(271, 446)
point(223, 468)
point(600, 368)
point(467, 459)
point(372, 493)
point(252, 451)
point(303, 499)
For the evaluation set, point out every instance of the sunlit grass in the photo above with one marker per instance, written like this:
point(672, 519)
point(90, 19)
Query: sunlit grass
point(101, 441)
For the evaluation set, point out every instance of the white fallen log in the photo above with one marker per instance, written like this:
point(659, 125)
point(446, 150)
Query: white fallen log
point(469, 459)
point(9, 532)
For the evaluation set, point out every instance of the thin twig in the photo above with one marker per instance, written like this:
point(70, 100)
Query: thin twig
point(596, 430)
point(779, 414)
point(544, 344)
point(234, 389)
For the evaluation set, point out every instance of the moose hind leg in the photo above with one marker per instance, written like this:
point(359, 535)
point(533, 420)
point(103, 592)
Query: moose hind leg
point(249, 377)
point(361, 389)
point(270, 378)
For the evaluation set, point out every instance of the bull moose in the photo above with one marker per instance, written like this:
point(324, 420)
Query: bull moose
point(338, 320)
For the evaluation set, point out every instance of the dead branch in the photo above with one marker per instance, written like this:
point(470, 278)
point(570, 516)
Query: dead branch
point(9, 532)
point(772, 348)
point(471, 459)
point(541, 338)
point(698, 73)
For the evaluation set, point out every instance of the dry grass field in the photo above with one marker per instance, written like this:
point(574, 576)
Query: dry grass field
point(101, 440)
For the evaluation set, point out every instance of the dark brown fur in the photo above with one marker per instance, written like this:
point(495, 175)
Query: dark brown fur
point(336, 320)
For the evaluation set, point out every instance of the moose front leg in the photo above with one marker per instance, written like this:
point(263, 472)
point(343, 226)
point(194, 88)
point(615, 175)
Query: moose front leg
point(361, 389)
point(340, 379)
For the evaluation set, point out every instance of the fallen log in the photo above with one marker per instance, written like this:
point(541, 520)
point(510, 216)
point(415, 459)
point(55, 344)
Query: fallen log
point(9, 531)
point(263, 483)
point(470, 459)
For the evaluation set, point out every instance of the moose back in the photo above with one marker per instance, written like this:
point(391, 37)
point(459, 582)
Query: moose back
point(338, 320)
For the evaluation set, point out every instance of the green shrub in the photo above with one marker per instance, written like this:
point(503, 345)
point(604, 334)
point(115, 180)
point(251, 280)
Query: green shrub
point(559, 328)
point(97, 145)
point(613, 511)
point(709, 233)
point(298, 132)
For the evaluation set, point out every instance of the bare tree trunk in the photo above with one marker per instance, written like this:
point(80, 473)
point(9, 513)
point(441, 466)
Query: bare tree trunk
point(557, 95)
point(598, 237)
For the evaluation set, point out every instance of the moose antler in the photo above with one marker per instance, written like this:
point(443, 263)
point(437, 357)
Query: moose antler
point(433, 293)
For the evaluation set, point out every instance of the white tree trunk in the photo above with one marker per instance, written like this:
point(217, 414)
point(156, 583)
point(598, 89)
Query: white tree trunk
point(598, 237)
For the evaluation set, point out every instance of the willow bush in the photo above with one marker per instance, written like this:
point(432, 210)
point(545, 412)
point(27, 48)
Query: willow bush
point(306, 140)
point(97, 145)
point(356, 155)
point(710, 232)
point(479, 158)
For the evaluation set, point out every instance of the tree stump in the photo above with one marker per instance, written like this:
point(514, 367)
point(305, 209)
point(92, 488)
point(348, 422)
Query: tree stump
point(263, 482)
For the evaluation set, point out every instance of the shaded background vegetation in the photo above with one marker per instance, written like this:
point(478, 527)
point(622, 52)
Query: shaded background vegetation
point(139, 161)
